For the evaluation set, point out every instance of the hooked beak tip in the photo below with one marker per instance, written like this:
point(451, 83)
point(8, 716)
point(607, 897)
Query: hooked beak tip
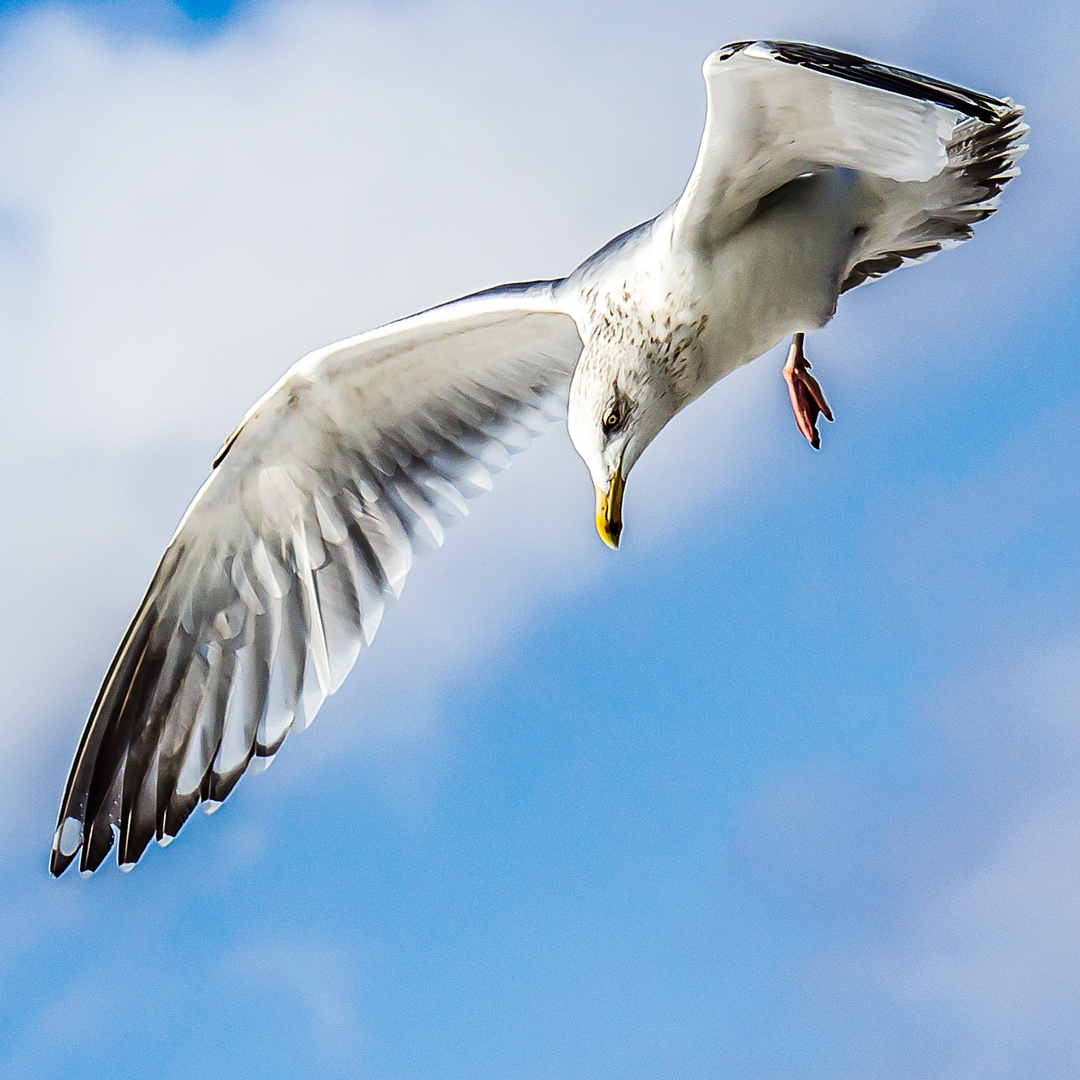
point(609, 510)
point(609, 532)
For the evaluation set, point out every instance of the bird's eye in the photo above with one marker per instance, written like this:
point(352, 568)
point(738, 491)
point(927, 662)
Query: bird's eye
point(612, 420)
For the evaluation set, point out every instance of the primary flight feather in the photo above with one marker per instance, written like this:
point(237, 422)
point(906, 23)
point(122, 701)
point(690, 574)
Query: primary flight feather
point(817, 171)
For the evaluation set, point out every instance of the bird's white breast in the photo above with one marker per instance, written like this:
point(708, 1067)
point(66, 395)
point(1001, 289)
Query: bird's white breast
point(700, 313)
point(647, 303)
point(777, 275)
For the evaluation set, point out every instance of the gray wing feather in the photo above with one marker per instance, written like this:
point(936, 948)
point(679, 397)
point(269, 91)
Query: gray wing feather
point(912, 222)
point(282, 567)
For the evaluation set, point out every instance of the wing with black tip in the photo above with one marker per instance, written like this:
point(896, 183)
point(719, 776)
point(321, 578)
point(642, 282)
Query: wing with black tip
point(779, 109)
point(278, 575)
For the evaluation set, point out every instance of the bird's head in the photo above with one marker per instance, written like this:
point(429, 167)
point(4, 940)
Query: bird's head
point(617, 407)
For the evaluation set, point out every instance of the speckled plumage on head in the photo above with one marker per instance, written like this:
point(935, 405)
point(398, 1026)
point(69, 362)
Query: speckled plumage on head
point(642, 356)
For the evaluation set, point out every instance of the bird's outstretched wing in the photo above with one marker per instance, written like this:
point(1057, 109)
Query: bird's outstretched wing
point(778, 109)
point(279, 571)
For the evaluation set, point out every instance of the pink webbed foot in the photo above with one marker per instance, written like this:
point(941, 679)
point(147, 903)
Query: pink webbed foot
point(807, 400)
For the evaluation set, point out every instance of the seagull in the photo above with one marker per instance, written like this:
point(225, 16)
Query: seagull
point(818, 170)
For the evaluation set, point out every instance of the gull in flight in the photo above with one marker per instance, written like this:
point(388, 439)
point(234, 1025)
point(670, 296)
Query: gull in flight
point(817, 171)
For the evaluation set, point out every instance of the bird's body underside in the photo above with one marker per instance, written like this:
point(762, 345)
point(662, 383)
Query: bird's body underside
point(817, 171)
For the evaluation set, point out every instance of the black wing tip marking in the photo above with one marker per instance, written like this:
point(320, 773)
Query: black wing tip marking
point(59, 862)
point(124, 789)
point(982, 160)
point(870, 73)
point(124, 786)
point(86, 792)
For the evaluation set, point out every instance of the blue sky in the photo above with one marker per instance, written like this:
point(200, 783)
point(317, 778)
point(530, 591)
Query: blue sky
point(785, 789)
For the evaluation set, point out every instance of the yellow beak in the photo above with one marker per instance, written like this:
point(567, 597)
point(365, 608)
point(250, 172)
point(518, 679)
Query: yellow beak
point(609, 509)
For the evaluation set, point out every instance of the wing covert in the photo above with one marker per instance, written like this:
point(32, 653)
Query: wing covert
point(777, 109)
point(280, 570)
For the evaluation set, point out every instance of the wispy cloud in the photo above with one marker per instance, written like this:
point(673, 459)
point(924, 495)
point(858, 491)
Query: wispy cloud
point(978, 969)
point(944, 887)
point(319, 982)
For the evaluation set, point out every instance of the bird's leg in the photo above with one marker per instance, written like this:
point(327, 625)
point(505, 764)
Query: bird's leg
point(807, 400)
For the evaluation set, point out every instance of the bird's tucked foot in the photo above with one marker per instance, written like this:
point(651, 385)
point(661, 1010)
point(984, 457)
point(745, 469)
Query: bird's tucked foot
point(807, 400)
